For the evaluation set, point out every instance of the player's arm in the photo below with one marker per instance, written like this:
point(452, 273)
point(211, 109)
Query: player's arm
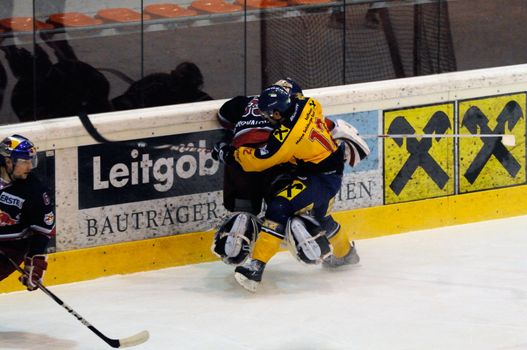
point(277, 151)
point(42, 214)
point(42, 224)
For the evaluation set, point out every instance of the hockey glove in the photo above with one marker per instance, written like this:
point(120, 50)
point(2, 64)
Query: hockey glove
point(356, 148)
point(34, 267)
point(220, 151)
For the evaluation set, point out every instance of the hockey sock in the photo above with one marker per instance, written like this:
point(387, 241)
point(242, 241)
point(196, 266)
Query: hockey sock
point(340, 243)
point(266, 247)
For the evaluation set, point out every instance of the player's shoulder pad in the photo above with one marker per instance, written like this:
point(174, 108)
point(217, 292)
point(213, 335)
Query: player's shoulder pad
point(232, 111)
point(33, 185)
point(300, 107)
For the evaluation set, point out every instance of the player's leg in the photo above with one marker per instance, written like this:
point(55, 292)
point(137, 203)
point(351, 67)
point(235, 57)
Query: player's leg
point(271, 235)
point(14, 250)
point(344, 251)
point(239, 191)
point(279, 209)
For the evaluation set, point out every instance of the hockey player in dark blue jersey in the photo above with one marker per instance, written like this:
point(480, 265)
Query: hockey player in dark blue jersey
point(27, 217)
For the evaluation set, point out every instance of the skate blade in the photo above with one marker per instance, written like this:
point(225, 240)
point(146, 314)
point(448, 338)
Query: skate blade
point(246, 283)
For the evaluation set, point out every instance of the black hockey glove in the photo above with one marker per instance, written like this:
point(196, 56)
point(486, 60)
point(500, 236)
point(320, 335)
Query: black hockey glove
point(221, 152)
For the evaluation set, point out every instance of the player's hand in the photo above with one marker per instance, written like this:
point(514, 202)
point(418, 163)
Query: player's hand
point(35, 267)
point(221, 151)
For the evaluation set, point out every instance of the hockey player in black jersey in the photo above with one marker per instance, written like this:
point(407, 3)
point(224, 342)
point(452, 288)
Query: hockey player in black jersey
point(27, 218)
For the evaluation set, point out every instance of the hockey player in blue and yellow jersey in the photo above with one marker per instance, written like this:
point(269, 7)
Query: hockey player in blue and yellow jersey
point(300, 137)
point(245, 126)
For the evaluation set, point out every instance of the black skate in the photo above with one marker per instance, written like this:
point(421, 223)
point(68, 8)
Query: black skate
point(249, 275)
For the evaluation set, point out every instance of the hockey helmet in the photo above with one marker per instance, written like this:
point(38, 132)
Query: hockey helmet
point(18, 147)
point(291, 87)
point(274, 99)
point(234, 240)
point(306, 240)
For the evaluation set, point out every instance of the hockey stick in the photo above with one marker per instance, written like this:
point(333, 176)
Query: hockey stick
point(506, 139)
point(183, 148)
point(133, 340)
point(96, 135)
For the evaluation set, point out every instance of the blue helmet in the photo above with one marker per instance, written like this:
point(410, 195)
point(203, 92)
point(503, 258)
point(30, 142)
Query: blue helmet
point(18, 147)
point(274, 99)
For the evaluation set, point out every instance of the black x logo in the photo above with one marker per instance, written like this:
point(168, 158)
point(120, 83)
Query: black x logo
point(418, 149)
point(474, 119)
point(292, 190)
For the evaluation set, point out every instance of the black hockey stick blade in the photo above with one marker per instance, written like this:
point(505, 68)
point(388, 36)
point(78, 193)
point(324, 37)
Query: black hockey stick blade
point(97, 136)
point(133, 340)
point(91, 129)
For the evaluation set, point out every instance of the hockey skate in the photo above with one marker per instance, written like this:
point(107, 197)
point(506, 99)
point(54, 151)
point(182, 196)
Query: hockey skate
point(249, 275)
point(351, 258)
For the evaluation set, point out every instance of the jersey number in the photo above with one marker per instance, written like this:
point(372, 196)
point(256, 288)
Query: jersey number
point(315, 134)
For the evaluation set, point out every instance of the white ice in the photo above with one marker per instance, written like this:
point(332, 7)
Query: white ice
point(461, 287)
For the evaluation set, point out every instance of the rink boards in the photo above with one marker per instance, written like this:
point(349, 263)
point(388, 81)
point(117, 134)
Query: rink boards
point(122, 208)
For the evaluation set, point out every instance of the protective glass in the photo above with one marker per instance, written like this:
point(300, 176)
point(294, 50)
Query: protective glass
point(33, 160)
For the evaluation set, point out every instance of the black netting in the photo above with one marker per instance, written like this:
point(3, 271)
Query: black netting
point(366, 43)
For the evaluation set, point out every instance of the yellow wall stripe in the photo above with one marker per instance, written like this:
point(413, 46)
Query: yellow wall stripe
point(437, 212)
point(157, 253)
point(122, 258)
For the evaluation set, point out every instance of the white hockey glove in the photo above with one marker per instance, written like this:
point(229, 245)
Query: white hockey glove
point(35, 267)
point(356, 148)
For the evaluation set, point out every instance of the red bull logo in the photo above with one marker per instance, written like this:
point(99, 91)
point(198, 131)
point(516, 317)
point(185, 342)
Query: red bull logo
point(6, 219)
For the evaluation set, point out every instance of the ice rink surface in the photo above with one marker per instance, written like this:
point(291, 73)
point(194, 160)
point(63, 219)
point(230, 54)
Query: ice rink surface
point(461, 287)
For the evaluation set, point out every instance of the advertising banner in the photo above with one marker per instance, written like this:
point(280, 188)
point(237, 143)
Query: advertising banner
point(419, 168)
point(362, 184)
point(486, 163)
point(130, 193)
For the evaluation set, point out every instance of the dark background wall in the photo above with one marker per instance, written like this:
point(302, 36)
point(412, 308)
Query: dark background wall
point(242, 52)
